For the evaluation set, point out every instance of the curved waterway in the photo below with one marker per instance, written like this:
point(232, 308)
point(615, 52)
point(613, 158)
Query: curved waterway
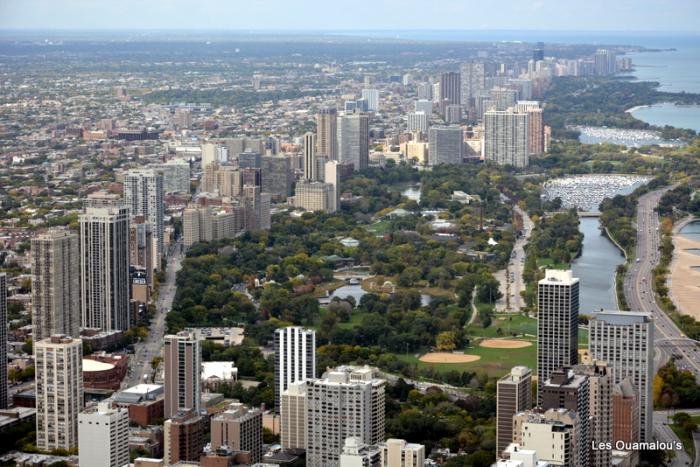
point(595, 268)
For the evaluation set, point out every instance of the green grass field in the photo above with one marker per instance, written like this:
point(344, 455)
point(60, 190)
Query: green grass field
point(495, 362)
point(380, 227)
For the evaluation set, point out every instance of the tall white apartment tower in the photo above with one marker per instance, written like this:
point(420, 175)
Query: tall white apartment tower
point(557, 324)
point(346, 402)
point(182, 363)
point(104, 263)
point(417, 121)
point(59, 391)
point(446, 145)
point(55, 260)
point(143, 194)
point(507, 138)
point(310, 156)
point(372, 98)
point(295, 358)
point(625, 340)
point(331, 175)
point(3, 341)
point(103, 436)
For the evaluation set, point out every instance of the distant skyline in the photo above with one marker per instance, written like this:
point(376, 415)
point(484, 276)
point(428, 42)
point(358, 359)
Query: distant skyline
point(308, 15)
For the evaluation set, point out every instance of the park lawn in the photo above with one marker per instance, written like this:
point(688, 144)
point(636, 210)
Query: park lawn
point(495, 362)
point(379, 227)
point(550, 264)
point(321, 289)
point(513, 323)
point(355, 319)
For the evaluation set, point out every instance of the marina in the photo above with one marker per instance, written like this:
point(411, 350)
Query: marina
point(626, 137)
point(586, 192)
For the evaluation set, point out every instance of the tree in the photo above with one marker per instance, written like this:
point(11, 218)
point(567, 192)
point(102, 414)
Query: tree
point(446, 340)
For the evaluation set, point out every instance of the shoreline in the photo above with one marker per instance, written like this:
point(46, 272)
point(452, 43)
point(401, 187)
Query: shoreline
point(683, 279)
point(638, 107)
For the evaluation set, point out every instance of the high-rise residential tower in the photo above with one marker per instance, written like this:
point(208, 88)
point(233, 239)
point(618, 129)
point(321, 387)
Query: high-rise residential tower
point(55, 259)
point(239, 428)
point(293, 416)
point(182, 363)
point(568, 390)
point(446, 145)
point(104, 263)
point(372, 98)
point(450, 92)
point(103, 436)
point(327, 133)
point(353, 140)
point(143, 194)
point(535, 125)
point(59, 391)
point(295, 358)
point(557, 324)
point(346, 402)
point(3, 341)
point(309, 156)
point(506, 137)
point(473, 81)
point(625, 340)
point(513, 395)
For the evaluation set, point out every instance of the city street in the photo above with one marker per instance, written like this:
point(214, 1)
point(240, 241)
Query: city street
point(511, 278)
point(140, 370)
point(639, 293)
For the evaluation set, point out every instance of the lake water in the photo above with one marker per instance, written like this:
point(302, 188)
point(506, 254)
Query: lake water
point(676, 71)
point(595, 268)
point(679, 116)
point(691, 231)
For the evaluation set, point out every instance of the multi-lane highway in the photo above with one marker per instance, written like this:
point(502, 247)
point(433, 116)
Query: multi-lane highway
point(639, 293)
point(511, 278)
point(140, 365)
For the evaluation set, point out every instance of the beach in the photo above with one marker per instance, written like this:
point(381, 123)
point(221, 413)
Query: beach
point(684, 278)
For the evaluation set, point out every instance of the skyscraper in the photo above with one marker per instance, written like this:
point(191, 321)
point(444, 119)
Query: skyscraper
point(535, 125)
point(554, 435)
point(557, 324)
point(599, 409)
point(184, 437)
point(239, 428)
point(625, 340)
point(104, 263)
point(425, 106)
point(295, 358)
point(372, 98)
point(315, 196)
point(417, 121)
point(143, 194)
point(446, 145)
point(506, 138)
point(331, 175)
point(309, 156)
point(346, 402)
point(182, 364)
point(538, 52)
point(625, 414)
point(473, 81)
point(276, 176)
point(3, 341)
point(55, 260)
point(501, 98)
point(353, 140)
point(604, 62)
point(293, 416)
point(327, 133)
point(450, 88)
point(59, 391)
point(568, 390)
point(103, 436)
point(513, 395)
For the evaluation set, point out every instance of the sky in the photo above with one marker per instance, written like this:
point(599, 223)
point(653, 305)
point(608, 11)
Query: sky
point(242, 15)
